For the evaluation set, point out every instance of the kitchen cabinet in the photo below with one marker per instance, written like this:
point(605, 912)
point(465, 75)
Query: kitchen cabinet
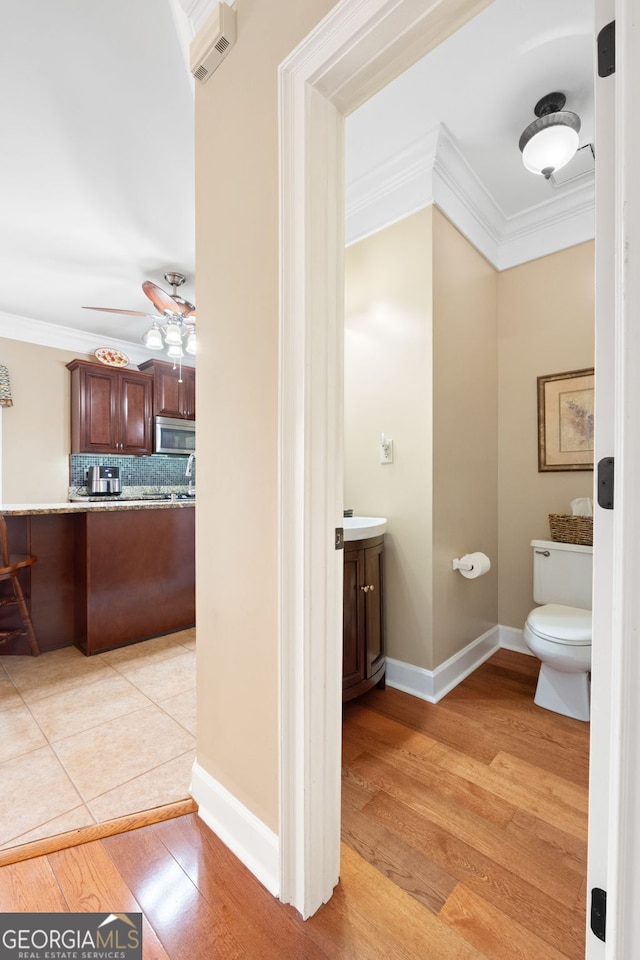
point(111, 410)
point(105, 578)
point(363, 651)
point(49, 584)
point(134, 576)
point(174, 389)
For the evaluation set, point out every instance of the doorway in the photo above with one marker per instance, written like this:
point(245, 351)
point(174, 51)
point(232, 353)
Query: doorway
point(312, 163)
point(424, 316)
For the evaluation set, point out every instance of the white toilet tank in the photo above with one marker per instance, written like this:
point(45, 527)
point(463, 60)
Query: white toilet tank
point(562, 573)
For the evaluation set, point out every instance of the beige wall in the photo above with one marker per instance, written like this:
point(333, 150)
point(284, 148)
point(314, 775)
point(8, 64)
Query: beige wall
point(421, 366)
point(35, 430)
point(465, 438)
point(388, 390)
point(237, 292)
point(492, 336)
point(546, 325)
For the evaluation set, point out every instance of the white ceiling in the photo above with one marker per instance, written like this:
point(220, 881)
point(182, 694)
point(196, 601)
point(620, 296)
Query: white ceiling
point(96, 166)
point(483, 83)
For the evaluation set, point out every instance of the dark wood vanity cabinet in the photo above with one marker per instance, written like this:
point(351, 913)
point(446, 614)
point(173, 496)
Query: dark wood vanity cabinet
point(363, 656)
point(174, 389)
point(111, 410)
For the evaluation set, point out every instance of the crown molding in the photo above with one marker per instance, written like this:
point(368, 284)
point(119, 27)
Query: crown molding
point(433, 170)
point(464, 199)
point(197, 11)
point(28, 330)
point(554, 225)
point(393, 190)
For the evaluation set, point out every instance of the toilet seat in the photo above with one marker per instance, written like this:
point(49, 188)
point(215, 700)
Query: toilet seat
point(560, 624)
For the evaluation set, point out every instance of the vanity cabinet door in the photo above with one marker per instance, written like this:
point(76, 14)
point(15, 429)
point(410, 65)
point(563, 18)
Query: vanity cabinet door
point(363, 651)
point(353, 660)
point(374, 640)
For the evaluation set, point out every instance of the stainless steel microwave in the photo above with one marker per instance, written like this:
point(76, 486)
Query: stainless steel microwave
point(172, 435)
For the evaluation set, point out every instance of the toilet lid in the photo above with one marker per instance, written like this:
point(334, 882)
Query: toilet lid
point(559, 623)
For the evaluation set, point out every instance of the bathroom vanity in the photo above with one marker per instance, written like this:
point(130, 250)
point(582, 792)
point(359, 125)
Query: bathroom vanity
point(363, 651)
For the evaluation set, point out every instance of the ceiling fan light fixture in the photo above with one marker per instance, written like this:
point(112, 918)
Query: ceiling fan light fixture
point(552, 139)
point(152, 339)
point(173, 334)
point(173, 326)
point(190, 345)
point(175, 351)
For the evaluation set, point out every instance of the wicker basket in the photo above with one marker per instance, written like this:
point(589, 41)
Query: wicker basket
point(567, 529)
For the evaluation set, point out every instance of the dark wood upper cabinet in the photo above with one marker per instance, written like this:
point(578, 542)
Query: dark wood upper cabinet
point(111, 410)
point(174, 389)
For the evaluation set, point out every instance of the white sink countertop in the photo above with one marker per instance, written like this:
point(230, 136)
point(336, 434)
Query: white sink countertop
point(360, 528)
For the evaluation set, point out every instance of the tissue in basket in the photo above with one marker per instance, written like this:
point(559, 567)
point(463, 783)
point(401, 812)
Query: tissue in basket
point(567, 529)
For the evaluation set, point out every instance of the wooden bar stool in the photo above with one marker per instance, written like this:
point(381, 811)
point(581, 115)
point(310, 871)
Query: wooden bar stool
point(11, 567)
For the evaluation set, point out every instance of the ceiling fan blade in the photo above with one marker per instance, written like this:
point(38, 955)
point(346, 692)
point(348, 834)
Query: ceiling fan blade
point(188, 309)
point(162, 301)
point(130, 313)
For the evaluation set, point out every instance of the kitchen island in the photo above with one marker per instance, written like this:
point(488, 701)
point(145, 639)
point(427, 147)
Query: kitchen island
point(108, 573)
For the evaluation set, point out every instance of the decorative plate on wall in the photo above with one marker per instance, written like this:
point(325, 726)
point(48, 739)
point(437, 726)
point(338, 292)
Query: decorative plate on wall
point(112, 358)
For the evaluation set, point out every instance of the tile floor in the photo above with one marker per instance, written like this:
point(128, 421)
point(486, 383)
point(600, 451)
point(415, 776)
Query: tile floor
point(87, 739)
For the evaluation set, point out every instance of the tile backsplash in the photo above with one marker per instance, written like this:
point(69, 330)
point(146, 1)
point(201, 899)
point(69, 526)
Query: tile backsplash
point(155, 472)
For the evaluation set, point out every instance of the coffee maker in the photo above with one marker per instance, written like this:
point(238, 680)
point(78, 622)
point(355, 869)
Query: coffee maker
point(103, 481)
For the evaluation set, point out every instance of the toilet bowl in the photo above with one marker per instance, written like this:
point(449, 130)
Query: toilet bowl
point(558, 632)
point(560, 637)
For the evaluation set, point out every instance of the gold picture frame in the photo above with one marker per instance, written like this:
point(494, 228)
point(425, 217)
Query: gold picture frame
point(565, 421)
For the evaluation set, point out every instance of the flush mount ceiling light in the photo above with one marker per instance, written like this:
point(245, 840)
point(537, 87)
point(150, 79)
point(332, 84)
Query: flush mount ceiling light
point(550, 141)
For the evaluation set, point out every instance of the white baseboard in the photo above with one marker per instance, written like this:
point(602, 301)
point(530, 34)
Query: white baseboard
point(513, 639)
point(433, 685)
point(246, 836)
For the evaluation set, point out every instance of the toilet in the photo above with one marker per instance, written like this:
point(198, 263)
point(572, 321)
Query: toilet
point(558, 633)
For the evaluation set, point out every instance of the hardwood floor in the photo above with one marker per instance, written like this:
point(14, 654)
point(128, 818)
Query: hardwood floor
point(476, 807)
point(464, 828)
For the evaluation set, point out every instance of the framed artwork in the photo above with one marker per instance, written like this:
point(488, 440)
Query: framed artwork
point(565, 421)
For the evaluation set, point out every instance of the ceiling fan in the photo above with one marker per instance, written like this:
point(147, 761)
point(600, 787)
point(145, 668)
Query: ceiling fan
point(173, 327)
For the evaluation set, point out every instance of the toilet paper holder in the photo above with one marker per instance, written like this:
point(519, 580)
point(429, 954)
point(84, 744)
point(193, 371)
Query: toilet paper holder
point(461, 564)
point(472, 565)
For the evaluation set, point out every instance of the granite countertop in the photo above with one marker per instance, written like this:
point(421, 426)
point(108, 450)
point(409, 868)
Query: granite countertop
point(93, 505)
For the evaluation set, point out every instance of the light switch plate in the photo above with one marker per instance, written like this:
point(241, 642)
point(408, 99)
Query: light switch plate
point(386, 451)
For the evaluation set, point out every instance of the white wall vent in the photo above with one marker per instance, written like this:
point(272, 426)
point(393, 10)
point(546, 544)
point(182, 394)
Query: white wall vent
point(213, 41)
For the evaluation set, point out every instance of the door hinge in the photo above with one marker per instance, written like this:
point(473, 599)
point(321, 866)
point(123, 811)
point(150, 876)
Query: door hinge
point(339, 538)
point(605, 483)
point(599, 913)
point(607, 50)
